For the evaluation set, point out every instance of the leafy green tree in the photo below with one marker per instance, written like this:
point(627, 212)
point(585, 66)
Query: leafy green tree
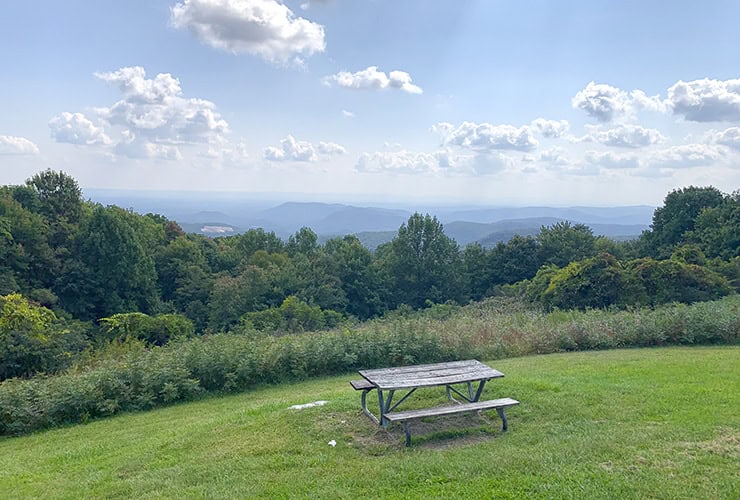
point(673, 280)
point(113, 272)
point(515, 260)
point(303, 242)
point(254, 289)
point(424, 263)
point(33, 340)
point(476, 271)
point(358, 276)
point(27, 259)
point(564, 242)
point(717, 229)
point(293, 316)
point(677, 217)
point(596, 282)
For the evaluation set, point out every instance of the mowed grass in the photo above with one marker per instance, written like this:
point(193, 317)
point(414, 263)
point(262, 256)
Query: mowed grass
point(640, 423)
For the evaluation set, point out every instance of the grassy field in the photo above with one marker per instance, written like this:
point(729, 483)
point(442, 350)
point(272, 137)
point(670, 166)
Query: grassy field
point(642, 423)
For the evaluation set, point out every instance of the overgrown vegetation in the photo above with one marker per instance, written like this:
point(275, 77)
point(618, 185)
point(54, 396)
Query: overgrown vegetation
point(138, 378)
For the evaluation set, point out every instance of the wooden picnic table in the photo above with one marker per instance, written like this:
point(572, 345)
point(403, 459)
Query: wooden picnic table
point(410, 378)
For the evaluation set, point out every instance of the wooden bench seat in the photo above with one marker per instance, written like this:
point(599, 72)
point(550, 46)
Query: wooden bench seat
point(361, 385)
point(494, 404)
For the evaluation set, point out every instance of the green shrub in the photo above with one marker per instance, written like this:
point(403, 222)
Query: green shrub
point(154, 330)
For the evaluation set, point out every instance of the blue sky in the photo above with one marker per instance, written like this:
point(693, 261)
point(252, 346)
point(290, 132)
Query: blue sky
point(499, 103)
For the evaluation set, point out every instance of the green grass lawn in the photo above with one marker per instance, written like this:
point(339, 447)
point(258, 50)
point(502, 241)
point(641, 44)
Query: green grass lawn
point(642, 423)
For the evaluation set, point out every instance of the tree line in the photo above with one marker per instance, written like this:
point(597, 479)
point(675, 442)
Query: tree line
point(92, 266)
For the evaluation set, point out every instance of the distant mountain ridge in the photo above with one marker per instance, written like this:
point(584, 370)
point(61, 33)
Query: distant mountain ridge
point(373, 225)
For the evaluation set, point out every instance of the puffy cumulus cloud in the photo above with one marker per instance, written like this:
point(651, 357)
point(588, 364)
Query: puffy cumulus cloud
point(155, 109)
point(265, 28)
point(152, 118)
point(685, 156)
point(231, 153)
point(75, 128)
point(551, 128)
point(330, 148)
point(706, 100)
point(607, 103)
point(615, 161)
point(625, 136)
point(729, 137)
point(12, 145)
point(482, 137)
point(372, 79)
point(291, 149)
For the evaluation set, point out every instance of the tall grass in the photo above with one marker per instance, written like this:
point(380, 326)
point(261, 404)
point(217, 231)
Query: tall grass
point(139, 379)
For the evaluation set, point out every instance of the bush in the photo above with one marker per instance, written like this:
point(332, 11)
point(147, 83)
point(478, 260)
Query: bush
point(154, 330)
point(34, 340)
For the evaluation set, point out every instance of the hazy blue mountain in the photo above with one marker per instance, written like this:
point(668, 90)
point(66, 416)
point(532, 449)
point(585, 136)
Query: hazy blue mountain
point(639, 214)
point(359, 219)
point(373, 224)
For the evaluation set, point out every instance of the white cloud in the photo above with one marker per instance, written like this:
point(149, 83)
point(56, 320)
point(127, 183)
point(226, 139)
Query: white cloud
point(486, 137)
point(154, 109)
point(266, 28)
point(372, 79)
point(685, 156)
point(706, 100)
point(625, 136)
point(152, 118)
point(551, 128)
point(330, 148)
point(609, 160)
point(607, 103)
point(347, 114)
point(291, 149)
point(729, 137)
point(75, 128)
point(12, 145)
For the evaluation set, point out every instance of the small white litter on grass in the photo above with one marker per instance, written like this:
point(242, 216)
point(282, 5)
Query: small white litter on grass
point(332, 443)
point(308, 405)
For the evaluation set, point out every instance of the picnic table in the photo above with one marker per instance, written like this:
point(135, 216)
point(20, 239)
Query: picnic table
point(468, 374)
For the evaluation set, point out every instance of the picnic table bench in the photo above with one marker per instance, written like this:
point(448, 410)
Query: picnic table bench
point(386, 381)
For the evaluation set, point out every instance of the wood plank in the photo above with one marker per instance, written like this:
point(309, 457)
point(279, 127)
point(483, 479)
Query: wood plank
point(361, 385)
point(430, 375)
point(450, 410)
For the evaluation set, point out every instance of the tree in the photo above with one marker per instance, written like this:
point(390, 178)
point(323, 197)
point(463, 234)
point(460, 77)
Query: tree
point(673, 280)
point(59, 195)
point(33, 340)
point(515, 260)
point(564, 242)
point(596, 282)
point(424, 263)
point(717, 229)
point(358, 277)
point(677, 217)
point(112, 273)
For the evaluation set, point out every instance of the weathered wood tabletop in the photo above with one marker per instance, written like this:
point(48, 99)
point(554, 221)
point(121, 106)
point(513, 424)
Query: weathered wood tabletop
point(430, 375)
